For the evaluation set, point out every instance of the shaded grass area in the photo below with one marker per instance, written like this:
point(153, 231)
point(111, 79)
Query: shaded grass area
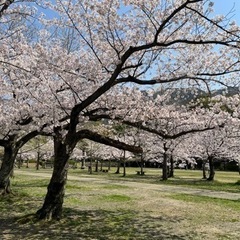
point(100, 214)
point(94, 209)
point(91, 224)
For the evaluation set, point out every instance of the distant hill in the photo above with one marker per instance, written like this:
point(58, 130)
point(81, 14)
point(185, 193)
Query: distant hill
point(230, 91)
point(183, 96)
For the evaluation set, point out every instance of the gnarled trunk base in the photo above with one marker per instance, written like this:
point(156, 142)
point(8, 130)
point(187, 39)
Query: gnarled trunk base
point(5, 187)
point(52, 207)
point(6, 171)
point(53, 203)
point(211, 169)
point(211, 175)
point(165, 168)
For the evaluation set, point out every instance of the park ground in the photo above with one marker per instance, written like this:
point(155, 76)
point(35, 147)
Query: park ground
point(106, 206)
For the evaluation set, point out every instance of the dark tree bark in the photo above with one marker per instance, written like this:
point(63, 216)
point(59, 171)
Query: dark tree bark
point(165, 167)
point(211, 169)
point(27, 163)
point(53, 203)
point(96, 165)
point(19, 161)
point(38, 161)
point(6, 170)
point(63, 147)
point(11, 148)
point(171, 172)
point(38, 156)
point(124, 168)
point(90, 166)
point(101, 165)
point(109, 165)
point(124, 163)
point(141, 165)
point(5, 6)
point(118, 167)
point(204, 170)
point(83, 163)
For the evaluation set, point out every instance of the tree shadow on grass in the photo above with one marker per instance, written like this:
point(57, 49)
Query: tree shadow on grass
point(89, 224)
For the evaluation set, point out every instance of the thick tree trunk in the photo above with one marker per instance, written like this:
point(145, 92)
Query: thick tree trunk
point(53, 203)
point(101, 165)
point(124, 167)
point(19, 162)
point(142, 165)
point(83, 164)
point(165, 167)
point(96, 165)
point(7, 168)
point(27, 163)
point(63, 147)
point(124, 163)
point(52, 207)
point(118, 167)
point(204, 170)
point(90, 166)
point(171, 172)
point(11, 148)
point(38, 161)
point(109, 165)
point(211, 169)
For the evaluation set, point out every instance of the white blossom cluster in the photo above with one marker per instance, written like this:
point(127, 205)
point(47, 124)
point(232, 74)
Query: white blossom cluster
point(87, 54)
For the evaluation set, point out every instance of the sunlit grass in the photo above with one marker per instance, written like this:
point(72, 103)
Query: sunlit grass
point(115, 186)
point(224, 181)
point(230, 204)
point(110, 206)
point(116, 198)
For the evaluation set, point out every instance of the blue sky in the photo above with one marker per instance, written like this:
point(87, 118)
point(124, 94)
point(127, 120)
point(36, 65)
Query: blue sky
point(222, 7)
point(225, 6)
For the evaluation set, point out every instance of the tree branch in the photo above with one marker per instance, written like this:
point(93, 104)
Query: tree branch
point(107, 141)
point(5, 6)
point(160, 133)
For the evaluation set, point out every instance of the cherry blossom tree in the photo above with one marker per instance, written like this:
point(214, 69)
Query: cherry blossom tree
point(17, 125)
point(170, 122)
point(4, 5)
point(20, 119)
point(142, 42)
point(126, 52)
point(218, 143)
point(17, 128)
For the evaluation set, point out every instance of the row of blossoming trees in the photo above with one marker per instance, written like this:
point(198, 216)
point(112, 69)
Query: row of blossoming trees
point(67, 63)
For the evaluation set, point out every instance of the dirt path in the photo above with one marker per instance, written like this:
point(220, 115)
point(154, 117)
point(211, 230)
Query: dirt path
point(149, 186)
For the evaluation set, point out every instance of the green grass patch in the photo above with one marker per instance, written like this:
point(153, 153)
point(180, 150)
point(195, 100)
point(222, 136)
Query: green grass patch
point(116, 198)
point(74, 185)
point(237, 183)
point(33, 187)
point(230, 204)
point(204, 184)
point(115, 186)
point(111, 207)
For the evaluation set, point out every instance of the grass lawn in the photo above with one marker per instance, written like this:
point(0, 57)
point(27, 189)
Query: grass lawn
point(109, 206)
